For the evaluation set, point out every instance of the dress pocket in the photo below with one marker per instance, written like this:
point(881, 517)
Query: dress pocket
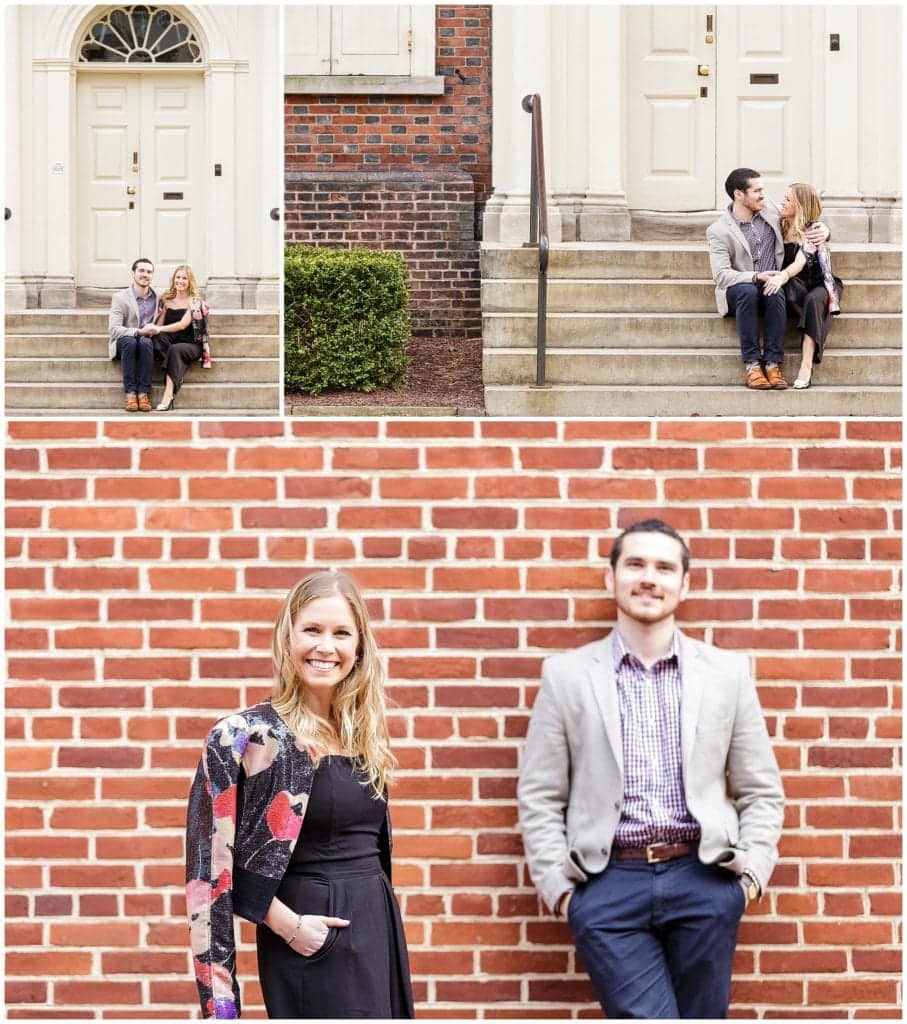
point(316, 896)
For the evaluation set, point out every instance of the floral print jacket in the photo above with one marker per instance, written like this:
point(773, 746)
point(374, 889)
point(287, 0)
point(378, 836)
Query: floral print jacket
point(245, 813)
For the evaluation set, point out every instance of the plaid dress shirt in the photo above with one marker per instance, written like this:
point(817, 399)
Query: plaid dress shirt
point(760, 237)
point(654, 808)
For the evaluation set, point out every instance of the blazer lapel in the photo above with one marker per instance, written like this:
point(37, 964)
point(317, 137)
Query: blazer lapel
point(692, 688)
point(736, 232)
point(600, 674)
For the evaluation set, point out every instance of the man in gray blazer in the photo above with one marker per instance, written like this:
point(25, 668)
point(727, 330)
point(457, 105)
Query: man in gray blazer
point(649, 796)
point(130, 329)
point(746, 250)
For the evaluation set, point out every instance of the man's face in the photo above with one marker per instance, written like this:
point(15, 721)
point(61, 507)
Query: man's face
point(754, 196)
point(143, 274)
point(648, 582)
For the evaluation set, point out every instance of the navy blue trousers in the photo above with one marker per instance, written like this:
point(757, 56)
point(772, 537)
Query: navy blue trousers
point(745, 302)
point(658, 939)
point(137, 356)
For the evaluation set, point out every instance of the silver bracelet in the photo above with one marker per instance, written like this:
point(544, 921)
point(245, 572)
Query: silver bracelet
point(292, 938)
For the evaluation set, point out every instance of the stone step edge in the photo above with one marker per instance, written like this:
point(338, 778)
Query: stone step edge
point(668, 246)
point(684, 315)
point(668, 351)
point(673, 282)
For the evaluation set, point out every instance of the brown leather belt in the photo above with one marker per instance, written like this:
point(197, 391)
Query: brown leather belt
point(656, 853)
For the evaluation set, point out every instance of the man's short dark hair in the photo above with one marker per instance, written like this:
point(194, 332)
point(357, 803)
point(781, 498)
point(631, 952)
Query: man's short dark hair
point(142, 259)
point(651, 526)
point(739, 180)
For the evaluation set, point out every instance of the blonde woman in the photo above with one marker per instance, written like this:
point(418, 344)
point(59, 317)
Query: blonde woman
point(288, 826)
point(813, 292)
point(182, 337)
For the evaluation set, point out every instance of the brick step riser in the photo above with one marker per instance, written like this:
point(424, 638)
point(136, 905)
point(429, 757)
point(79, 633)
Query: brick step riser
point(669, 401)
point(515, 330)
point(41, 372)
point(663, 264)
point(48, 322)
point(103, 398)
point(84, 346)
point(704, 369)
point(652, 297)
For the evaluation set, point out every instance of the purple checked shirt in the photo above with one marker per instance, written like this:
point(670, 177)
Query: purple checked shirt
point(147, 306)
point(654, 808)
point(760, 238)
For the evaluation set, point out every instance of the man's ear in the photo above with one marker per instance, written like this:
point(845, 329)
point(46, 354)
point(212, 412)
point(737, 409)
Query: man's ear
point(685, 585)
point(609, 579)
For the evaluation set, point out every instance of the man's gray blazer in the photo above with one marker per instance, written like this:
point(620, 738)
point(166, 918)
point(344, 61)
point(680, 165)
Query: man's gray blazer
point(123, 319)
point(729, 253)
point(571, 780)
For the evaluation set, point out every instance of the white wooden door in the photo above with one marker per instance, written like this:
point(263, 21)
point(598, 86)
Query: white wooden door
point(140, 168)
point(670, 110)
point(686, 129)
point(765, 108)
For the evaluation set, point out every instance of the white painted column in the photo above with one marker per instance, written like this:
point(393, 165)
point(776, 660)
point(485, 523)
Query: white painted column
point(521, 66)
point(264, 93)
point(881, 119)
point(16, 295)
point(604, 215)
point(55, 110)
point(224, 289)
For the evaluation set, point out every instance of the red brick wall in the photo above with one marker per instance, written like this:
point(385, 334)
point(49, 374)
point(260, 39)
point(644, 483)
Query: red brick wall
point(453, 130)
point(146, 562)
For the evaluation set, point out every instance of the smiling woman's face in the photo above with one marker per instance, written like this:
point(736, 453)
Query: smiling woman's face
point(325, 641)
point(181, 280)
point(788, 204)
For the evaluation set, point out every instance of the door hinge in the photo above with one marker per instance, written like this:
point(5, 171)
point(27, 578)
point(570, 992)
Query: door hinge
point(409, 40)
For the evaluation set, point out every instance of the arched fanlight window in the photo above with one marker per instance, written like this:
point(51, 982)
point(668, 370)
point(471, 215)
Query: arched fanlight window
point(140, 35)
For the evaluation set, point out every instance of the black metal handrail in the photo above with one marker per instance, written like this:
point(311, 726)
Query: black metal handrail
point(538, 231)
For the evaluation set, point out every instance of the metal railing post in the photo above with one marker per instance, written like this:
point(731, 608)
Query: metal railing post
point(538, 232)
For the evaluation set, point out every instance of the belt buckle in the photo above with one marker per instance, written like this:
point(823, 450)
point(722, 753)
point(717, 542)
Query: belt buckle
point(652, 857)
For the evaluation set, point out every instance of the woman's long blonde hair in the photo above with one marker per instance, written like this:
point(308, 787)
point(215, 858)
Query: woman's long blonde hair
point(807, 208)
point(357, 706)
point(193, 284)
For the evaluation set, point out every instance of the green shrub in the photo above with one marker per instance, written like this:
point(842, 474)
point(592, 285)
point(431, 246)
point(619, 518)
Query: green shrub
point(345, 321)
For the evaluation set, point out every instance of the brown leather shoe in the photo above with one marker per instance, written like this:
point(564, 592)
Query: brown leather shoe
point(757, 379)
point(132, 404)
point(775, 378)
point(145, 403)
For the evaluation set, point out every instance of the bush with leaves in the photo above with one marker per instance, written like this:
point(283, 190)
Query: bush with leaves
point(345, 319)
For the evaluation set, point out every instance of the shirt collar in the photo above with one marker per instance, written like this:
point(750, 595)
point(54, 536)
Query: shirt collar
point(743, 223)
point(142, 298)
point(620, 651)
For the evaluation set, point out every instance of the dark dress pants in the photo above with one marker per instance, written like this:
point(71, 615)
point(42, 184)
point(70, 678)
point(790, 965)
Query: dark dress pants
point(658, 939)
point(136, 354)
point(746, 302)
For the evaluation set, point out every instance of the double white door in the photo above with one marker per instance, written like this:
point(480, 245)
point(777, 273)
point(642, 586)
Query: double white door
point(710, 88)
point(140, 177)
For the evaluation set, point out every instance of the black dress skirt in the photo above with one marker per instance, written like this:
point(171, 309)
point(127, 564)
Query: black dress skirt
point(176, 351)
point(361, 970)
point(807, 298)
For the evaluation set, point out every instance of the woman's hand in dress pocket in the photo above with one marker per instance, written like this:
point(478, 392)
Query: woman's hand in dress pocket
point(312, 932)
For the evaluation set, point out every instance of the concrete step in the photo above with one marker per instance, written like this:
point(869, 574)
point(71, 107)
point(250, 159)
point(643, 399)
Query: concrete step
point(94, 321)
point(79, 346)
point(79, 399)
point(591, 295)
point(852, 261)
point(42, 372)
point(576, 400)
point(706, 368)
point(678, 330)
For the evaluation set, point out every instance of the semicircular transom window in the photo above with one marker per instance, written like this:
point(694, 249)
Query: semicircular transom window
point(140, 35)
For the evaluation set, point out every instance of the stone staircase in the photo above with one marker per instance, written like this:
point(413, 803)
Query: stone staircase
point(56, 365)
point(632, 331)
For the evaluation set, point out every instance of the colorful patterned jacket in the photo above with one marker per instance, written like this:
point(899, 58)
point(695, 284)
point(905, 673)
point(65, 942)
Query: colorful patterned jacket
point(245, 813)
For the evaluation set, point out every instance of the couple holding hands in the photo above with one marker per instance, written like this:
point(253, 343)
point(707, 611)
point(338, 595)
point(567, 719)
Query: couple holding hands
point(767, 260)
point(172, 330)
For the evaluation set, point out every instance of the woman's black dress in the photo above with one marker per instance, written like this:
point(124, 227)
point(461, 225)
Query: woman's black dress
point(176, 351)
point(807, 298)
point(361, 970)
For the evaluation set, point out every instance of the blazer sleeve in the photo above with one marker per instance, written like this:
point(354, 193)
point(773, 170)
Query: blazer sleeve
point(724, 274)
point(755, 783)
point(543, 793)
point(210, 837)
point(116, 324)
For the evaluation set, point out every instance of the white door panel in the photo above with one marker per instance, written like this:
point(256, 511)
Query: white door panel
point(670, 123)
point(145, 133)
point(685, 131)
point(370, 40)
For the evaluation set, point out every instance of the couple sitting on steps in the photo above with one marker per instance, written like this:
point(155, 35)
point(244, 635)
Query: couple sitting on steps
point(768, 259)
point(173, 330)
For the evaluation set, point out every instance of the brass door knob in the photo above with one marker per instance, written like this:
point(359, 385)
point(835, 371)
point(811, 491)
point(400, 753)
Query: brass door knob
point(130, 190)
point(704, 70)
